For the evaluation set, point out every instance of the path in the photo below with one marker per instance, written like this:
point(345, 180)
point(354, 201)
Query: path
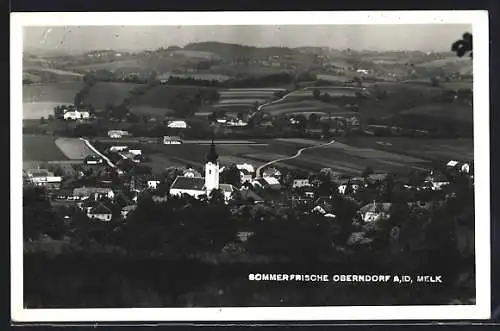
point(299, 152)
point(89, 145)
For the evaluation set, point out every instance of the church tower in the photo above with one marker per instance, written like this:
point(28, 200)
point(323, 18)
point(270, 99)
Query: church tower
point(212, 170)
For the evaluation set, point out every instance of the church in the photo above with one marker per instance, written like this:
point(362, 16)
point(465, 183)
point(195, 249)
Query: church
point(198, 186)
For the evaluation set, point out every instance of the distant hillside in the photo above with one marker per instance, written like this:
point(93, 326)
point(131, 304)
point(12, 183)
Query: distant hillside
point(455, 117)
point(233, 51)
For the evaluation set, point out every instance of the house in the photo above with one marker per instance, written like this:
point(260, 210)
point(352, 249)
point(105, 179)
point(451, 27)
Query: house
point(246, 176)
point(118, 148)
point(324, 207)
point(153, 184)
point(45, 178)
point(244, 235)
point(437, 181)
point(246, 166)
point(297, 183)
point(76, 115)
point(193, 186)
point(271, 182)
point(172, 140)
point(177, 124)
point(83, 193)
point(126, 210)
point(271, 172)
point(93, 160)
point(374, 212)
point(101, 212)
point(190, 172)
point(353, 185)
point(227, 190)
point(135, 151)
point(116, 134)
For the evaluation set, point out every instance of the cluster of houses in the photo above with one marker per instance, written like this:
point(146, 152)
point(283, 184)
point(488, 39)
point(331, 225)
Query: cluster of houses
point(192, 183)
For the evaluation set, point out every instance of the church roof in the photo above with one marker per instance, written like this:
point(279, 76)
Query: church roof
point(189, 183)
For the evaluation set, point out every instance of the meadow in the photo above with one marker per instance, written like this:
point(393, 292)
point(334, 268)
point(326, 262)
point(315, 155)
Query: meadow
point(349, 155)
point(41, 148)
point(73, 148)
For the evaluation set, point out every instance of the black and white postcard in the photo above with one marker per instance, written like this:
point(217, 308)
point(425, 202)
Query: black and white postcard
point(250, 166)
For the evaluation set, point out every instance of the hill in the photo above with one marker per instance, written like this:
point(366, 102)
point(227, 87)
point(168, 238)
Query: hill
point(438, 117)
point(234, 51)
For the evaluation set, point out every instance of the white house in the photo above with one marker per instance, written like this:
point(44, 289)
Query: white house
point(76, 115)
point(246, 166)
point(135, 151)
point(297, 183)
point(43, 177)
point(153, 184)
point(168, 140)
point(101, 212)
point(177, 124)
point(118, 148)
point(374, 212)
point(245, 176)
point(95, 192)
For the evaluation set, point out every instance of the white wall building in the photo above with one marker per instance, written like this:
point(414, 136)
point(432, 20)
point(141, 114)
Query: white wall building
point(76, 115)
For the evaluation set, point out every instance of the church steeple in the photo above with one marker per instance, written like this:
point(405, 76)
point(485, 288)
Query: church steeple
point(212, 155)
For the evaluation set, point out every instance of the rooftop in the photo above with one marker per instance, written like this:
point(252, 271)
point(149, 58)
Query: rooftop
point(100, 209)
point(189, 183)
point(376, 207)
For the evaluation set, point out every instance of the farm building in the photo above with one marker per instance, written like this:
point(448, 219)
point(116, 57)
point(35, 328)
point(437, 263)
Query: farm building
point(76, 115)
point(374, 212)
point(92, 160)
point(126, 210)
point(43, 177)
point(246, 166)
point(118, 148)
point(171, 140)
point(177, 124)
point(116, 134)
point(95, 192)
point(101, 212)
point(246, 176)
point(297, 183)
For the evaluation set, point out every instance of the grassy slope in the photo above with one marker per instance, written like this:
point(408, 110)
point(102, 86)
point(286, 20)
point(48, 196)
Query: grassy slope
point(41, 148)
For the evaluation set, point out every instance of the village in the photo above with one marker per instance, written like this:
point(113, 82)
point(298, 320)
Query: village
point(109, 192)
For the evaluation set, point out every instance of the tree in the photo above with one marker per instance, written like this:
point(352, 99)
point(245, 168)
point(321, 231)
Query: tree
point(434, 82)
point(325, 97)
point(231, 175)
point(367, 172)
point(316, 94)
point(217, 196)
point(463, 47)
point(313, 119)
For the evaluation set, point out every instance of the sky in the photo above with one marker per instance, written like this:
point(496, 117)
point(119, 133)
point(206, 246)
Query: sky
point(423, 37)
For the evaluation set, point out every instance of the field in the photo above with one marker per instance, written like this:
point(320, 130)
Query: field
point(39, 100)
point(73, 148)
point(156, 100)
point(349, 155)
point(242, 99)
point(41, 148)
point(305, 107)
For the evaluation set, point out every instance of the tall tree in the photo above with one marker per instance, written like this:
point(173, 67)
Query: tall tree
point(463, 47)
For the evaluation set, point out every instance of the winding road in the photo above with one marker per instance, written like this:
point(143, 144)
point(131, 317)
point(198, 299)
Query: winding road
point(299, 152)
